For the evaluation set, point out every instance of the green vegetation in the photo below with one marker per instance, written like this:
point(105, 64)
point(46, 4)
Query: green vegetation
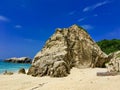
point(109, 46)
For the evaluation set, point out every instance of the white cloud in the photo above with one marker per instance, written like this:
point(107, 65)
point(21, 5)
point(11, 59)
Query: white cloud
point(30, 40)
point(33, 41)
point(4, 19)
point(82, 19)
point(95, 15)
point(18, 26)
point(71, 13)
point(114, 34)
point(90, 8)
point(87, 27)
point(87, 17)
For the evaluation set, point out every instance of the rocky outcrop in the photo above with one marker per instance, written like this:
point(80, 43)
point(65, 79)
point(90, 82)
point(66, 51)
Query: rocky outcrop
point(8, 73)
point(22, 71)
point(67, 48)
point(114, 64)
point(19, 60)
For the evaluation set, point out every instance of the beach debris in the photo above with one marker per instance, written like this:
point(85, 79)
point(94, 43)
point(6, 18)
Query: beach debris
point(22, 71)
point(107, 73)
point(40, 85)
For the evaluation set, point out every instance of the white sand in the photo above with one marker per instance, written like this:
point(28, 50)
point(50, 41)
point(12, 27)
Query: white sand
point(79, 79)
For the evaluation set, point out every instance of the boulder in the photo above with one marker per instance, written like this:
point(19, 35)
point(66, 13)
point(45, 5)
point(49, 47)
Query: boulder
point(114, 64)
point(19, 60)
point(8, 73)
point(22, 71)
point(67, 48)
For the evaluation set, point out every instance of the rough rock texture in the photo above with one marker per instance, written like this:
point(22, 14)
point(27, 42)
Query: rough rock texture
point(19, 60)
point(114, 64)
point(8, 73)
point(22, 71)
point(67, 48)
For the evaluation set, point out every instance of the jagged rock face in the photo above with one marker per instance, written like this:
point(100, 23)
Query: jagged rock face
point(114, 64)
point(67, 48)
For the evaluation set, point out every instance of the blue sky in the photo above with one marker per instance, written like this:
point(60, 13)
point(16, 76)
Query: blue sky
point(25, 25)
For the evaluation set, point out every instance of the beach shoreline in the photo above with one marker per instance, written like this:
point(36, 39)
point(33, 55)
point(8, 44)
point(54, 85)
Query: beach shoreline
point(14, 72)
point(78, 79)
point(12, 67)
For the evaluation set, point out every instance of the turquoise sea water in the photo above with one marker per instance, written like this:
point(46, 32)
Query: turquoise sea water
point(12, 66)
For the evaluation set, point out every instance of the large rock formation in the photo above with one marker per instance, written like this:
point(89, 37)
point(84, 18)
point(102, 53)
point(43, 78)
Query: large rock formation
point(114, 64)
point(19, 60)
point(67, 48)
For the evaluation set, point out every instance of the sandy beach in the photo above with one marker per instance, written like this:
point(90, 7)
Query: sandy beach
point(79, 79)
